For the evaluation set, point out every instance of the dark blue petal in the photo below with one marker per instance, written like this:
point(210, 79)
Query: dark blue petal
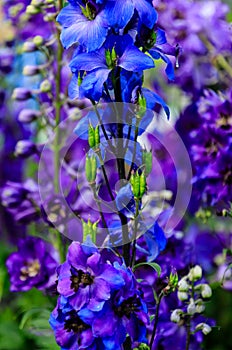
point(92, 84)
point(152, 99)
point(134, 60)
point(155, 240)
point(88, 61)
point(161, 37)
point(125, 201)
point(119, 12)
point(157, 54)
point(146, 11)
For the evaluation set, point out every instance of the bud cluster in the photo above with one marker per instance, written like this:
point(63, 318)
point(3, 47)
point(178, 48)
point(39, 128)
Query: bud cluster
point(193, 294)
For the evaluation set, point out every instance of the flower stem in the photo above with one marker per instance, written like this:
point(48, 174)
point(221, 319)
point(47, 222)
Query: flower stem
point(188, 329)
point(132, 262)
point(59, 59)
point(156, 318)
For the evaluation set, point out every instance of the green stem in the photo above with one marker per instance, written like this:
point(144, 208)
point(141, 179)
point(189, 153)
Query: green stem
point(93, 186)
point(156, 319)
point(58, 104)
point(134, 235)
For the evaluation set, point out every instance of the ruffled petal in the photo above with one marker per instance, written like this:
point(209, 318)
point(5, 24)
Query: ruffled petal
point(111, 275)
point(157, 54)
point(101, 289)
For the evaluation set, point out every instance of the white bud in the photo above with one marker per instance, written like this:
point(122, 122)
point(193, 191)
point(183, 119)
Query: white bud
point(200, 307)
point(175, 315)
point(206, 291)
point(183, 285)
point(191, 309)
point(204, 327)
point(182, 296)
point(195, 273)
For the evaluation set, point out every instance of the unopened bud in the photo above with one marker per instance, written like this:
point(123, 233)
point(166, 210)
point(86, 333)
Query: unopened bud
point(30, 70)
point(28, 115)
point(32, 10)
point(204, 327)
point(191, 309)
point(45, 86)
point(195, 273)
point(25, 148)
point(91, 168)
point(183, 286)
point(147, 161)
point(38, 40)
point(21, 94)
point(200, 307)
point(182, 296)
point(29, 46)
point(176, 315)
point(206, 291)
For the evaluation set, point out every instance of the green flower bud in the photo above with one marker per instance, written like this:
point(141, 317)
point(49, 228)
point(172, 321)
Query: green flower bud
point(204, 327)
point(79, 79)
point(143, 184)
point(195, 273)
point(113, 55)
point(176, 315)
point(142, 104)
point(89, 229)
point(206, 291)
point(91, 136)
point(97, 135)
point(136, 189)
point(32, 10)
point(108, 58)
point(147, 161)
point(38, 40)
point(45, 86)
point(91, 168)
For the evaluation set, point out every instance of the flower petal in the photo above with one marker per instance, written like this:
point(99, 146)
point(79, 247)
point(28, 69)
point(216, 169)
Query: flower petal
point(134, 60)
point(147, 13)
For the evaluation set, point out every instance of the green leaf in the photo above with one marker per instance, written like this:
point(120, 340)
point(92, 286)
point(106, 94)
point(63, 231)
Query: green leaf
point(155, 266)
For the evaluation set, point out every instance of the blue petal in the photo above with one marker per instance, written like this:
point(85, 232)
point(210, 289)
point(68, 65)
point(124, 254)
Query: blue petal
point(125, 201)
point(161, 37)
point(155, 240)
point(134, 60)
point(92, 84)
point(119, 12)
point(147, 13)
point(152, 99)
point(157, 54)
point(88, 61)
point(78, 29)
point(74, 90)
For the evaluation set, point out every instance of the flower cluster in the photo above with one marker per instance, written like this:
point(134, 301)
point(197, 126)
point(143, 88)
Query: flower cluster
point(99, 301)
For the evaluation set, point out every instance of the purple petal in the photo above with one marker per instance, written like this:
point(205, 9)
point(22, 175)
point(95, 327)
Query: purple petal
point(88, 61)
point(112, 276)
point(101, 289)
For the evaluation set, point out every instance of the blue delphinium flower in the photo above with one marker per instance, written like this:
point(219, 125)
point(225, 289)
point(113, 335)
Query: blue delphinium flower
point(125, 313)
point(86, 279)
point(84, 23)
point(118, 51)
point(71, 332)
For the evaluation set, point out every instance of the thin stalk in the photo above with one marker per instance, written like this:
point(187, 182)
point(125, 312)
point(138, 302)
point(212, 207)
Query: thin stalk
point(93, 187)
point(188, 328)
point(134, 149)
point(156, 318)
point(58, 103)
point(134, 235)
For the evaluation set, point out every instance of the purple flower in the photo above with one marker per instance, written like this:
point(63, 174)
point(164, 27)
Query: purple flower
point(33, 265)
point(85, 279)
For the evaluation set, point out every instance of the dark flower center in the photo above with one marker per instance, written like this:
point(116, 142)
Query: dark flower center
point(30, 269)
point(80, 279)
point(75, 324)
point(128, 307)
